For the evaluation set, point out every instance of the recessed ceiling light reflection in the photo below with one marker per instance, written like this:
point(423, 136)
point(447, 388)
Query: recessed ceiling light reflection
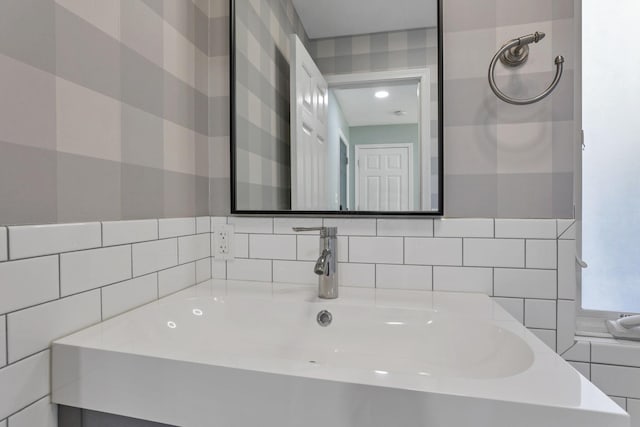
point(197, 312)
point(381, 94)
point(381, 372)
point(394, 323)
point(424, 374)
point(171, 324)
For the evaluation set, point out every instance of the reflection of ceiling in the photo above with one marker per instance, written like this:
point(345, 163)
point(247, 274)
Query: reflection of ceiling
point(362, 108)
point(333, 18)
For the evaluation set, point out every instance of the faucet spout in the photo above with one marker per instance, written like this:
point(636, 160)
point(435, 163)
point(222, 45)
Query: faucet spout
point(326, 266)
point(322, 266)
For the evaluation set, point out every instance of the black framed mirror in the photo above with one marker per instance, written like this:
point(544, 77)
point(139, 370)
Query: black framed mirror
point(336, 107)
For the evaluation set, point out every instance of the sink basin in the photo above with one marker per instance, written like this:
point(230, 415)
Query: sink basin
point(204, 356)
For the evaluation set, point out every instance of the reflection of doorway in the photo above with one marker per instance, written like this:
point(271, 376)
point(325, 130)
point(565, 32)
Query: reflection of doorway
point(382, 86)
point(384, 177)
point(344, 174)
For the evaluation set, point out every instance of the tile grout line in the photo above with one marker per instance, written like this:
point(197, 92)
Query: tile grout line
point(6, 338)
point(8, 245)
point(26, 407)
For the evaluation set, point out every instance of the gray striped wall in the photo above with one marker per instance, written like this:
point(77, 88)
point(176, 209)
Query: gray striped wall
point(502, 160)
point(103, 110)
point(120, 110)
point(262, 102)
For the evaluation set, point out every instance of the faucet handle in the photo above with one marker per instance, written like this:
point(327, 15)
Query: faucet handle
point(324, 231)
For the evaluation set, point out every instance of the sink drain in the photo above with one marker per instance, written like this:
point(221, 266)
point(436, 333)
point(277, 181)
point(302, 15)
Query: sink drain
point(324, 318)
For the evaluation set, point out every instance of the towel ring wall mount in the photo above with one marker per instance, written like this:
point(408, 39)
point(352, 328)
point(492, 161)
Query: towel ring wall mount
point(514, 54)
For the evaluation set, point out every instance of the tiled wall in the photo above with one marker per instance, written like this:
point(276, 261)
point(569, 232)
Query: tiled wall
point(61, 278)
point(613, 366)
point(103, 103)
point(528, 266)
point(262, 102)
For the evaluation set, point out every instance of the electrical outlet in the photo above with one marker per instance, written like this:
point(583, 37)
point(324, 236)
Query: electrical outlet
point(223, 238)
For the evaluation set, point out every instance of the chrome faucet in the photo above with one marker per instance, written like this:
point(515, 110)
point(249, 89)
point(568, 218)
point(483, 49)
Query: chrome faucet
point(327, 264)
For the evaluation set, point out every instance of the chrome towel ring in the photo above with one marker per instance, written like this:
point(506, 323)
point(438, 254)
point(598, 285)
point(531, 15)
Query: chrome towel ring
point(515, 53)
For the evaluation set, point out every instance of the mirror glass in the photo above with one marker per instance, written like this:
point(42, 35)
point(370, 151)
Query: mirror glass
point(336, 106)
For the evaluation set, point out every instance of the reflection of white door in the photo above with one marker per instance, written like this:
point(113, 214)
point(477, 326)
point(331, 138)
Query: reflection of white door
point(384, 177)
point(309, 101)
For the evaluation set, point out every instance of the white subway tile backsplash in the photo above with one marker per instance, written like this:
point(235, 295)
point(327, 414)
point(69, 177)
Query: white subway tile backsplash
point(308, 248)
point(405, 227)
point(513, 306)
point(427, 251)
point(546, 336)
point(43, 413)
point(525, 267)
point(566, 325)
point(352, 227)
point(28, 282)
point(616, 353)
point(124, 296)
point(616, 380)
point(240, 245)
point(153, 256)
point(84, 270)
point(633, 407)
point(526, 228)
point(249, 269)
point(519, 283)
point(376, 250)
point(564, 225)
point(252, 225)
point(36, 240)
point(174, 227)
point(494, 253)
point(216, 221)
point(285, 225)
point(123, 232)
point(540, 314)
point(203, 270)
point(4, 254)
point(463, 227)
point(294, 272)
point(203, 224)
point(463, 279)
point(620, 401)
point(3, 341)
point(357, 275)
point(34, 328)
point(580, 352)
point(218, 269)
point(414, 277)
point(192, 248)
point(567, 269)
point(176, 279)
point(583, 368)
point(343, 248)
point(265, 246)
point(541, 254)
point(570, 233)
point(23, 382)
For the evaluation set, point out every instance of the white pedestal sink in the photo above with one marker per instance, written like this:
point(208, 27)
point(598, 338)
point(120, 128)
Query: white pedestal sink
point(239, 354)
